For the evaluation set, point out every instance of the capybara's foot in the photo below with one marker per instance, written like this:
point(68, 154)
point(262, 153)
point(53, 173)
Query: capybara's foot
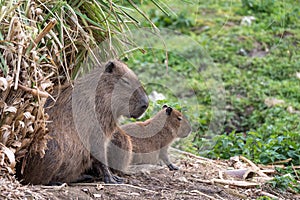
point(85, 178)
point(118, 179)
point(113, 179)
point(54, 183)
point(172, 167)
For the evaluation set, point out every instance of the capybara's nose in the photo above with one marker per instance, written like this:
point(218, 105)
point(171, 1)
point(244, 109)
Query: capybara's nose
point(144, 103)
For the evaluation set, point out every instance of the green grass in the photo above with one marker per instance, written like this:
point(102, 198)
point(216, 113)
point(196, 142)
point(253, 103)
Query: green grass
point(253, 62)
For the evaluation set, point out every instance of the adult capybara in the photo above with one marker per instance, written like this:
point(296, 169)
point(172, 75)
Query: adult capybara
point(150, 140)
point(83, 119)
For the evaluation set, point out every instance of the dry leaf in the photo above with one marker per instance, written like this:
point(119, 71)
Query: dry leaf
point(3, 84)
point(270, 102)
point(11, 158)
point(11, 109)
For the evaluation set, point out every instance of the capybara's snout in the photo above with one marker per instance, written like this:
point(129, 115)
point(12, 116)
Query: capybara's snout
point(144, 104)
point(140, 103)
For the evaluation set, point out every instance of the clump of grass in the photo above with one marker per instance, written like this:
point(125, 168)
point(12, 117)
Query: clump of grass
point(42, 44)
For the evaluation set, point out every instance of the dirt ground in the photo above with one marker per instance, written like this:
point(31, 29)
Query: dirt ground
point(194, 180)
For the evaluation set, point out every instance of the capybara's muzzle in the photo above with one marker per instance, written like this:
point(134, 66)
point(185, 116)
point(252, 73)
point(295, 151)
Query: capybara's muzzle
point(141, 102)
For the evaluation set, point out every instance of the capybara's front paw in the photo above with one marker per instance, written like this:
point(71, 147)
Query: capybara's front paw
point(118, 179)
point(172, 167)
point(55, 183)
point(113, 179)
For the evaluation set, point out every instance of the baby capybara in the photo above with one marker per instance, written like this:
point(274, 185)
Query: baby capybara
point(148, 140)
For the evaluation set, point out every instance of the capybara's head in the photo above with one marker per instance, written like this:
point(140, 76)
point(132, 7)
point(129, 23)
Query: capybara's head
point(178, 121)
point(123, 89)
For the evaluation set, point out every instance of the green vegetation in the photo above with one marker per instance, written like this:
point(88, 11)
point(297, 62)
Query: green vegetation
point(258, 64)
point(236, 77)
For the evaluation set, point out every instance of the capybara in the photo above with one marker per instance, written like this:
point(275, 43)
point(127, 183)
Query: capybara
point(150, 140)
point(83, 119)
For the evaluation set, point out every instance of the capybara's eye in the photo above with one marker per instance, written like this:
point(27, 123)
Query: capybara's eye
point(125, 81)
point(179, 118)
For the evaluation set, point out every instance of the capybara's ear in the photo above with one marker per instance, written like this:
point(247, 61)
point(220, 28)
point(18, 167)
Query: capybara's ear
point(169, 110)
point(164, 106)
point(109, 67)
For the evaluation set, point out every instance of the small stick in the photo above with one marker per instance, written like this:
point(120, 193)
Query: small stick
point(54, 187)
point(220, 197)
point(46, 30)
point(245, 184)
point(203, 194)
point(282, 161)
point(35, 92)
point(269, 171)
point(110, 184)
point(294, 169)
point(255, 168)
point(204, 181)
point(230, 191)
point(271, 166)
point(191, 155)
point(269, 195)
point(20, 51)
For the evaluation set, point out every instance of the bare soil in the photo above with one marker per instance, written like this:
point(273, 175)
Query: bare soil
point(151, 182)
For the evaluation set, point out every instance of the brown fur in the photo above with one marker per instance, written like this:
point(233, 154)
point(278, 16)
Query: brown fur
point(83, 121)
point(152, 138)
point(119, 151)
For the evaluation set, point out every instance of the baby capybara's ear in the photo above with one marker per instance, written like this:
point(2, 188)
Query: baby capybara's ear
point(169, 110)
point(164, 106)
point(109, 67)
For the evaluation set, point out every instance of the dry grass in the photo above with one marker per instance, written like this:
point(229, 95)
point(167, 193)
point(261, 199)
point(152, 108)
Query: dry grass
point(42, 44)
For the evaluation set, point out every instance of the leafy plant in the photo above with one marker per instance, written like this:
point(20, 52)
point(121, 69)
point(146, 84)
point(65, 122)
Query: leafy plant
point(179, 22)
point(259, 5)
point(285, 182)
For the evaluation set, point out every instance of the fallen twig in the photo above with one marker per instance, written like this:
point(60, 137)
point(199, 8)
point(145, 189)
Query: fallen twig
point(220, 197)
point(244, 184)
point(282, 161)
point(271, 166)
point(269, 195)
point(110, 184)
point(203, 181)
point(202, 194)
point(54, 187)
point(191, 155)
point(254, 167)
point(294, 169)
point(269, 171)
point(262, 179)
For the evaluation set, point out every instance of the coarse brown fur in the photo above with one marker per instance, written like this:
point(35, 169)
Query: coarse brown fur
point(151, 139)
point(83, 121)
point(119, 151)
